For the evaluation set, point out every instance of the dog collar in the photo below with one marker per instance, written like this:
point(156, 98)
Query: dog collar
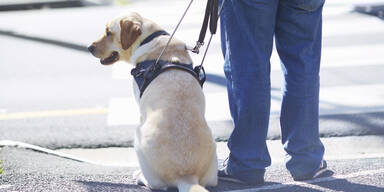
point(152, 36)
point(143, 74)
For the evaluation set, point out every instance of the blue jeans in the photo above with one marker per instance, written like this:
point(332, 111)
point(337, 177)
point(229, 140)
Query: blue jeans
point(247, 31)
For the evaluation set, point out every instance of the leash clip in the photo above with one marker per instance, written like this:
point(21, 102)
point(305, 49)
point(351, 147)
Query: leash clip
point(196, 49)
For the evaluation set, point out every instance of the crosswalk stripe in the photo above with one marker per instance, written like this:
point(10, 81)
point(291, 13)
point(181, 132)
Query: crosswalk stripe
point(333, 100)
point(53, 113)
point(5, 186)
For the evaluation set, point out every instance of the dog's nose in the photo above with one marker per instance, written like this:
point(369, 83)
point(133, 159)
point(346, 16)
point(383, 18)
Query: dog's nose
point(92, 48)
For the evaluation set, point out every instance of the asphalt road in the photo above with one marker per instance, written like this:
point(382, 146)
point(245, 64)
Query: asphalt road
point(26, 170)
point(55, 94)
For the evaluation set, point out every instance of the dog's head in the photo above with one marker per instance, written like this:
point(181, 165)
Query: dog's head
point(120, 37)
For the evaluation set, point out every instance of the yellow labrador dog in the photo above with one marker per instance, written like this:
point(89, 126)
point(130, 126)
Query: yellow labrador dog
point(174, 144)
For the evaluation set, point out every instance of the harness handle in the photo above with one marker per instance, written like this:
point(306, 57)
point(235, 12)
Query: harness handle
point(199, 69)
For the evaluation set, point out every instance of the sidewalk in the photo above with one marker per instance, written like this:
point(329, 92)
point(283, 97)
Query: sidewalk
point(355, 164)
point(336, 149)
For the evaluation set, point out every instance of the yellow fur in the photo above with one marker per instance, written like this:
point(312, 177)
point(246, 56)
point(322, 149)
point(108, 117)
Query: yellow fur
point(174, 141)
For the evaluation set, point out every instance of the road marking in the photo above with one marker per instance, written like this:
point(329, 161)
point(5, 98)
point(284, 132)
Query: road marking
point(5, 186)
point(309, 182)
point(123, 111)
point(53, 113)
point(351, 99)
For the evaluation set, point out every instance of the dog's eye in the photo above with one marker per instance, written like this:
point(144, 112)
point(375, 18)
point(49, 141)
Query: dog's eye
point(109, 33)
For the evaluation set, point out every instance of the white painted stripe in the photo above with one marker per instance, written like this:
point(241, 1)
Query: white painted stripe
point(351, 25)
point(359, 55)
point(121, 70)
point(352, 2)
point(217, 107)
point(359, 25)
point(53, 113)
point(309, 182)
point(331, 11)
point(333, 100)
point(5, 186)
point(346, 56)
point(123, 111)
point(352, 99)
point(331, 57)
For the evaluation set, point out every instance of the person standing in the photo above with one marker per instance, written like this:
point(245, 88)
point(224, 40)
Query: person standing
point(248, 28)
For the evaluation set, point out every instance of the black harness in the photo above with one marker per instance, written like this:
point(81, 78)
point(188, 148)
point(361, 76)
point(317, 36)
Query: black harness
point(145, 72)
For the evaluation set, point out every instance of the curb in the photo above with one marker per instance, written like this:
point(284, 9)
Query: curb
point(17, 144)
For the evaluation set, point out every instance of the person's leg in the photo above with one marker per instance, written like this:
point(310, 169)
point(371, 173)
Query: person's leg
point(298, 42)
point(247, 28)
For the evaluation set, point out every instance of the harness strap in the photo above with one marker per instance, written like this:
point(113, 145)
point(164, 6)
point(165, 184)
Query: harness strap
point(143, 74)
point(152, 36)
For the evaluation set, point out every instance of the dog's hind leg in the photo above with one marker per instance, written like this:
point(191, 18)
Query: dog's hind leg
point(147, 176)
point(210, 177)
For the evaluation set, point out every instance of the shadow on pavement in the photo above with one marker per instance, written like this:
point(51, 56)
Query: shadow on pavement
point(341, 184)
point(229, 186)
point(53, 4)
point(325, 173)
point(376, 10)
point(361, 124)
point(107, 186)
point(46, 40)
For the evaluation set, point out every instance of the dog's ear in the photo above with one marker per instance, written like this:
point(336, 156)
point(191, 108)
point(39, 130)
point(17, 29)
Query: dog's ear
point(129, 33)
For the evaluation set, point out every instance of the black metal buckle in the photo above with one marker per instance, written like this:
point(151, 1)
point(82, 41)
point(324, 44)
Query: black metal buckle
point(200, 71)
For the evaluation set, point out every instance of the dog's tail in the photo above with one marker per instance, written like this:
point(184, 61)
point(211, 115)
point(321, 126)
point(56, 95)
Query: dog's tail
point(190, 184)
